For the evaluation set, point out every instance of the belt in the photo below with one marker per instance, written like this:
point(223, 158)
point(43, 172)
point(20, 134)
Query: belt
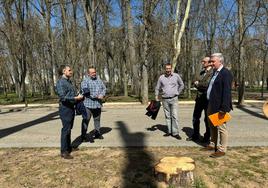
point(169, 97)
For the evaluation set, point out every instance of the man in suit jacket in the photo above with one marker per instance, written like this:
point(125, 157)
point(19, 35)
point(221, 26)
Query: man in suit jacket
point(220, 100)
point(201, 102)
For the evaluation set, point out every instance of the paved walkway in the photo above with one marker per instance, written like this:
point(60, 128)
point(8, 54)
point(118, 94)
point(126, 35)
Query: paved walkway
point(123, 125)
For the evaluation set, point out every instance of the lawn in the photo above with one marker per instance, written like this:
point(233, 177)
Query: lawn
point(128, 167)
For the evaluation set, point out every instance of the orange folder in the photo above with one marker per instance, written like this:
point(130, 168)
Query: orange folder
point(217, 120)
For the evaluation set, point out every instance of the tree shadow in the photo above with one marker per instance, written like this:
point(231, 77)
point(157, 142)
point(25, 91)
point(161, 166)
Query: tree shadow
point(11, 130)
point(189, 132)
point(138, 171)
point(89, 137)
point(159, 127)
point(253, 113)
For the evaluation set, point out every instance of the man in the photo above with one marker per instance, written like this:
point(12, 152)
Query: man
point(201, 101)
point(170, 85)
point(68, 98)
point(219, 100)
point(94, 91)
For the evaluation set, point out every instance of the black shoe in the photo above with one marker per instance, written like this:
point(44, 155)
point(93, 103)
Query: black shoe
point(205, 140)
point(192, 139)
point(72, 149)
point(167, 134)
point(177, 137)
point(98, 136)
point(83, 138)
point(66, 155)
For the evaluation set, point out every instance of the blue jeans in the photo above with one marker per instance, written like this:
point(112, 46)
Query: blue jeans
point(67, 118)
point(171, 114)
point(96, 113)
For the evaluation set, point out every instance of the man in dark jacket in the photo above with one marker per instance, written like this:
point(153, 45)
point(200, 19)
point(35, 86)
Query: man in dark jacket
point(220, 100)
point(68, 98)
point(201, 101)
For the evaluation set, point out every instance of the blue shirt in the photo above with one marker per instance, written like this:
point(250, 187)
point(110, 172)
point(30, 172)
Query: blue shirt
point(91, 89)
point(212, 81)
point(65, 90)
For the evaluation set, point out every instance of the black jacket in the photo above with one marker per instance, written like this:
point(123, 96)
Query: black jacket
point(153, 108)
point(220, 98)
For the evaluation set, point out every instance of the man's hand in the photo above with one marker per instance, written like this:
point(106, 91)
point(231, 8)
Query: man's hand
point(221, 114)
point(156, 98)
point(79, 97)
point(100, 97)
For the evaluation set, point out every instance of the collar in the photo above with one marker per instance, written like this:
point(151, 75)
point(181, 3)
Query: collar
point(219, 69)
point(65, 77)
point(169, 75)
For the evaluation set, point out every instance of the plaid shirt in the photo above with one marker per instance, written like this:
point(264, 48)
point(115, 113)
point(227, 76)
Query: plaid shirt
point(96, 88)
point(65, 90)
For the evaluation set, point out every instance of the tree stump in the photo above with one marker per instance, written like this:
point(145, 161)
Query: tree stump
point(175, 171)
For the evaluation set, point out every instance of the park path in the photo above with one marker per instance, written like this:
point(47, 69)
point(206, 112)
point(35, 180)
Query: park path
point(123, 125)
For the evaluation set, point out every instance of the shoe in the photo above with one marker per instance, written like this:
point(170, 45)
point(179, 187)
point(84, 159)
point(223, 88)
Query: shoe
point(98, 136)
point(83, 138)
point(167, 134)
point(73, 149)
point(205, 140)
point(66, 155)
point(208, 148)
point(217, 154)
point(177, 137)
point(192, 139)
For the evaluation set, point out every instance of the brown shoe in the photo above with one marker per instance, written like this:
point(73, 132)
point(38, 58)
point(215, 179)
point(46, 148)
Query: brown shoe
point(208, 148)
point(66, 155)
point(217, 154)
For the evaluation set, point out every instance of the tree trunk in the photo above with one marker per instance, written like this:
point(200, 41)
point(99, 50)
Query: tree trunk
point(177, 36)
point(175, 171)
point(241, 74)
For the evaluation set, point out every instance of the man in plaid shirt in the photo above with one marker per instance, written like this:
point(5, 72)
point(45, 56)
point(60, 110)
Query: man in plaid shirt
point(94, 91)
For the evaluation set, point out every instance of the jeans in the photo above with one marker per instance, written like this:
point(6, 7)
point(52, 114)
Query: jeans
point(67, 118)
point(96, 113)
point(171, 114)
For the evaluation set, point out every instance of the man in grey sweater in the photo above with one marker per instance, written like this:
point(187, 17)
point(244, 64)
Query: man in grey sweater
point(169, 86)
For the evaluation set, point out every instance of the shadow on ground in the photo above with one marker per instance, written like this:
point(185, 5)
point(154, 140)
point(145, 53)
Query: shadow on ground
point(189, 132)
point(14, 129)
point(251, 112)
point(159, 127)
point(138, 171)
point(89, 137)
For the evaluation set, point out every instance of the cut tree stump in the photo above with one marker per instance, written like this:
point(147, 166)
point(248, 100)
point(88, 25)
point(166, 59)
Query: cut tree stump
point(175, 171)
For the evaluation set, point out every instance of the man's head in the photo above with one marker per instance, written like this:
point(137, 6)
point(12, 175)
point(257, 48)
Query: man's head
point(92, 72)
point(216, 60)
point(168, 69)
point(205, 62)
point(65, 70)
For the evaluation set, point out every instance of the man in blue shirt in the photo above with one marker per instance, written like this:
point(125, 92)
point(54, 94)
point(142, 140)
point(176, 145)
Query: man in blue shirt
point(94, 91)
point(68, 98)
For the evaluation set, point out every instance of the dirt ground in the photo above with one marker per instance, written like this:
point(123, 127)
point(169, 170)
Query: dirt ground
point(128, 167)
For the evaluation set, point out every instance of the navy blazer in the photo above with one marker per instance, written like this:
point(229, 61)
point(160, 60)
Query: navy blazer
point(220, 98)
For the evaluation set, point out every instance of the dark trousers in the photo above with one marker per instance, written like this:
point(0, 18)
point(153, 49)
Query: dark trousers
point(67, 119)
point(96, 113)
point(201, 104)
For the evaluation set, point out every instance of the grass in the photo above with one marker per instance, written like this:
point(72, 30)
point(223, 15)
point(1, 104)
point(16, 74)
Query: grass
point(128, 167)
